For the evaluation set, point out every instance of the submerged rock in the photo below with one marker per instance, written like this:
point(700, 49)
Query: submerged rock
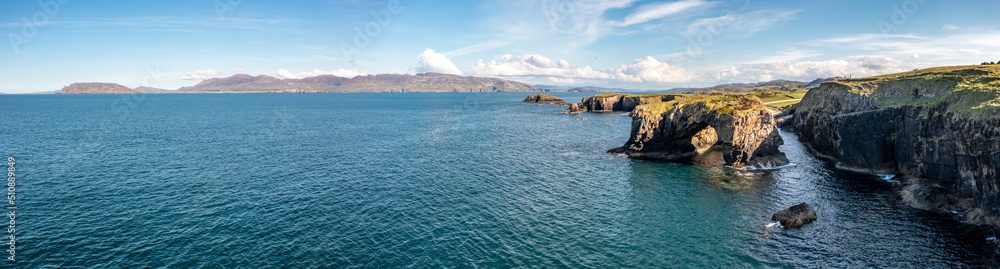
point(795, 216)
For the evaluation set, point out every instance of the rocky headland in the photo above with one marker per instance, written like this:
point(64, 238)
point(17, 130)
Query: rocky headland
point(607, 102)
point(95, 88)
point(738, 126)
point(937, 130)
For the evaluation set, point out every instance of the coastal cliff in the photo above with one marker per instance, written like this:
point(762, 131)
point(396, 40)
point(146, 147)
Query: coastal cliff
point(739, 126)
point(607, 102)
point(937, 129)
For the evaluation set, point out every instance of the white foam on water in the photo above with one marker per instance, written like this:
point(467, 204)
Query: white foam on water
point(888, 178)
point(767, 166)
point(571, 153)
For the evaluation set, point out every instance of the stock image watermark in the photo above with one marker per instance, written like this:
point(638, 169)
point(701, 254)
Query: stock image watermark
point(363, 35)
point(559, 12)
point(29, 28)
point(900, 15)
point(224, 7)
point(706, 36)
point(11, 209)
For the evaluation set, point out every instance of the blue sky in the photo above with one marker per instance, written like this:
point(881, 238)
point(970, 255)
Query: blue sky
point(612, 43)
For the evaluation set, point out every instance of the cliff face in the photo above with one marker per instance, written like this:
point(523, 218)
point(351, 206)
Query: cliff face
point(938, 130)
point(742, 129)
point(608, 102)
point(95, 88)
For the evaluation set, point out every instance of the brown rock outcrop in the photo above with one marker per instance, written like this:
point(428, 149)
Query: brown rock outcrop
point(543, 98)
point(608, 102)
point(747, 136)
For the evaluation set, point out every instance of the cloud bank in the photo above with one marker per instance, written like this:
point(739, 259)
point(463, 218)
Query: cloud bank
point(201, 74)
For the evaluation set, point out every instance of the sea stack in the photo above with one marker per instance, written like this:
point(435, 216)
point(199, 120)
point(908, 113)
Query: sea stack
point(739, 126)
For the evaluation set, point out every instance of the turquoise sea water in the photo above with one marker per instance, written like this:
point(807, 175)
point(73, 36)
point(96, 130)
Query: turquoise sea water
point(422, 180)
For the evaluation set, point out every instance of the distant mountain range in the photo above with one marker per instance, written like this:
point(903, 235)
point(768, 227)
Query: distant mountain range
point(95, 88)
point(781, 85)
point(423, 82)
point(583, 89)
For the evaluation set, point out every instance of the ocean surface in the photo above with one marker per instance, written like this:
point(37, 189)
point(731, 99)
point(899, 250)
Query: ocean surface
point(422, 180)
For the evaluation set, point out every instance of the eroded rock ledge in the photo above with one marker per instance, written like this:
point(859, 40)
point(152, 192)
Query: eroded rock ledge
point(936, 129)
point(543, 98)
point(607, 102)
point(687, 126)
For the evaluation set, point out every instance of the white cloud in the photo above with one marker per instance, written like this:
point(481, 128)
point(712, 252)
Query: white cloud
point(571, 23)
point(804, 70)
point(431, 61)
point(646, 69)
point(942, 49)
point(650, 12)
point(970, 51)
point(483, 46)
point(736, 24)
point(648, 72)
point(787, 55)
point(201, 74)
point(340, 72)
point(949, 27)
point(239, 70)
point(284, 73)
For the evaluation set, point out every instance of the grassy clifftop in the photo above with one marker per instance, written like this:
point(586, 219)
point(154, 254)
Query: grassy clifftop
point(610, 94)
point(715, 103)
point(966, 90)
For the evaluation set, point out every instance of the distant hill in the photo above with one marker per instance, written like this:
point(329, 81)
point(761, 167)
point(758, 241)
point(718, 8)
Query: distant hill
point(95, 88)
point(584, 89)
point(818, 81)
point(423, 82)
point(776, 85)
point(144, 89)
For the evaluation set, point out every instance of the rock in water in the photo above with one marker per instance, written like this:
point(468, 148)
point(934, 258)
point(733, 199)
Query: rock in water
point(795, 216)
point(575, 108)
point(542, 98)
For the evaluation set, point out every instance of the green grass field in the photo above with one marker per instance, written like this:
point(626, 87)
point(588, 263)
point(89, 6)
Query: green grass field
point(967, 90)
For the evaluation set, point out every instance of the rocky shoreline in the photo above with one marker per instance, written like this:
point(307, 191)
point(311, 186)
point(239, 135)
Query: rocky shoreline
point(678, 127)
point(935, 130)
